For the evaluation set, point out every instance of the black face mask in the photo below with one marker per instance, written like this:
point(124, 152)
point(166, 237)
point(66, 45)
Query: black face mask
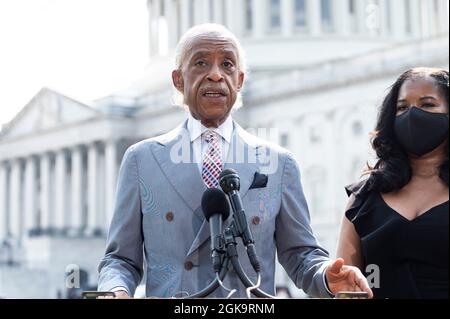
point(420, 132)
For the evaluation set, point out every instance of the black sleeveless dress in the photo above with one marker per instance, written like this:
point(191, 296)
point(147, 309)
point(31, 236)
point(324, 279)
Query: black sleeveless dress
point(412, 256)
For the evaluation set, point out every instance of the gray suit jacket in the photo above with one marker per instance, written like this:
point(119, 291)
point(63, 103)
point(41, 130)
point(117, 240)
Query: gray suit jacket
point(158, 229)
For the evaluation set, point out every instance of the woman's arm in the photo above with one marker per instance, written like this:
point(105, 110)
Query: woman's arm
point(349, 244)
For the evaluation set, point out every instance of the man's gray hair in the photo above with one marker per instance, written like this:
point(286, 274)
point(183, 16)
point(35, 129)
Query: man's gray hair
point(184, 45)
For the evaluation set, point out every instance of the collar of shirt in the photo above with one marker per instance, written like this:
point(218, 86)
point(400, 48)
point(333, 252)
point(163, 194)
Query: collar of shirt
point(196, 129)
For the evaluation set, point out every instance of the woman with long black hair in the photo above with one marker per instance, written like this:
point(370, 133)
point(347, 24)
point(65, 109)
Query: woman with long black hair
point(396, 220)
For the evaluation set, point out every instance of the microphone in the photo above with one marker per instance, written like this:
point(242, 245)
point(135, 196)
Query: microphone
point(230, 183)
point(216, 210)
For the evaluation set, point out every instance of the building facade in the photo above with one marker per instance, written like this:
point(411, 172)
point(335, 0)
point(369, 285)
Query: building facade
point(318, 71)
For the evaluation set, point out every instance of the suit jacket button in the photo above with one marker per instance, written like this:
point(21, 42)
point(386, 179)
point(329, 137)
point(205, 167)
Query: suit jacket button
point(256, 220)
point(169, 216)
point(188, 265)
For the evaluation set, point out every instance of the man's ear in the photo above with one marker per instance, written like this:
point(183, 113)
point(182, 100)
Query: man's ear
point(241, 80)
point(177, 80)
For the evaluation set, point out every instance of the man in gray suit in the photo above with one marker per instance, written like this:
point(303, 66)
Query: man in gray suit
point(158, 212)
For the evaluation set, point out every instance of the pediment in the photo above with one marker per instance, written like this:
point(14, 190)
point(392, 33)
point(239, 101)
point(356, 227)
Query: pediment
point(47, 110)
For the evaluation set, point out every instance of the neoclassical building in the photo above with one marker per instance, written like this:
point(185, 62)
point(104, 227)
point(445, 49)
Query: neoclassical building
point(318, 71)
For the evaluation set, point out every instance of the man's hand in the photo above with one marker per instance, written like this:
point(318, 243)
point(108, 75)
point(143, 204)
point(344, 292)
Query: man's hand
point(346, 278)
point(121, 294)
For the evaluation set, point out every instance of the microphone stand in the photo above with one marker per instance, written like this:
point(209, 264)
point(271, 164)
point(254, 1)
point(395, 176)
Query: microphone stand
point(232, 254)
point(214, 284)
point(228, 245)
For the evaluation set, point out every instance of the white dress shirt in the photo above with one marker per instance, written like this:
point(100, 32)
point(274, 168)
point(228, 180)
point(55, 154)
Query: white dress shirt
point(200, 146)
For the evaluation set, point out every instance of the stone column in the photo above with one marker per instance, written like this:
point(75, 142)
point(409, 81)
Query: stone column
point(217, 12)
point(424, 10)
point(156, 26)
point(101, 196)
point(364, 22)
point(442, 16)
point(385, 18)
point(30, 196)
point(231, 15)
point(287, 17)
point(185, 16)
point(172, 23)
point(76, 214)
point(110, 178)
point(93, 212)
point(151, 28)
point(433, 17)
point(314, 19)
point(15, 201)
point(398, 18)
point(45, 192)
point(445, 10)
point(223, 11)
point(3, 201)
point(61, 195)
point(260, 18)
point(341, 16)
point(416, 29)
point(203, 11)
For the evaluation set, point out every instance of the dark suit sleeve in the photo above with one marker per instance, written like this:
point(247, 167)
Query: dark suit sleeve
point(122, 265)
point(298, 251)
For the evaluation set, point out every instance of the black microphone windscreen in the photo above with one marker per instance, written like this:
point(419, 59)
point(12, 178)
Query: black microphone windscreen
point(214, 201)
point(226, 172)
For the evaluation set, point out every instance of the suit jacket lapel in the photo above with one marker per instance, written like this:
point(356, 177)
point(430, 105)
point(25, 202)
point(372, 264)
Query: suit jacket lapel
point(242, 149)
point(175, 157)
point(242, 157)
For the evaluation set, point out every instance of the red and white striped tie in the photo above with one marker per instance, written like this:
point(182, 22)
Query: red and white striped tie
point(212, 161)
